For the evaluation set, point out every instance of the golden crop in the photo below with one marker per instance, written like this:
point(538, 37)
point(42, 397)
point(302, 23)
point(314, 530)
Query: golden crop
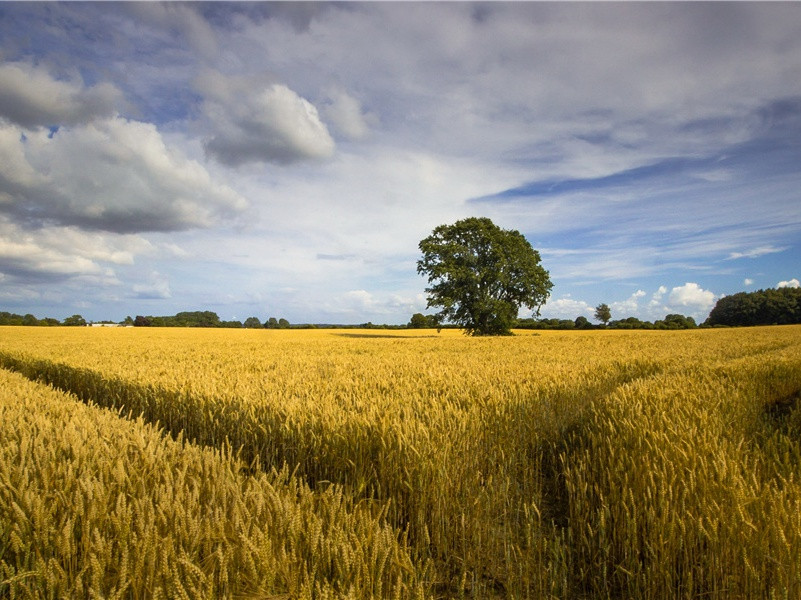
point(640, 464)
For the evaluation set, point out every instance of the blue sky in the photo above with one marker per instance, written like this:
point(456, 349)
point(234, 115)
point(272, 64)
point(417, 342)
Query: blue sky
point(280, 159)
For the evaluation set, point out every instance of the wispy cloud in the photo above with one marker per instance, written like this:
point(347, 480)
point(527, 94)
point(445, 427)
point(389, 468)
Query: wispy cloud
point(757, 252)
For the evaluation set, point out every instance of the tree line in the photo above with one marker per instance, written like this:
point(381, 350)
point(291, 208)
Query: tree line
point(781, 306)
point(672, 321)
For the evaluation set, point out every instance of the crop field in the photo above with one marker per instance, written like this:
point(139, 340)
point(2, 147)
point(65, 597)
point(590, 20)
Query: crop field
point(204, 463)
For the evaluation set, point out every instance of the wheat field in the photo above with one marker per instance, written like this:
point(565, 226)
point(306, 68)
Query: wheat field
point(363, 464)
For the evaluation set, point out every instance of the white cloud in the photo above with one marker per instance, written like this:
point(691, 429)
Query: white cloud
point(627, 307)
point(60, 253)
point(748, 281)
point(657, 297)
point(345, 113)
point(254, 120)
point(756, 252)
point(692, 296)
point(157, 288)
point(114, 175)
point(792, 283)
point(566, 307)
point(30, 97)
point(179, 17)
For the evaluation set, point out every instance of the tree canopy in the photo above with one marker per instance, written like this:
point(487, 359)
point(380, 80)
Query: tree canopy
point(780, 306)
point(480, 275)
point(603, 313)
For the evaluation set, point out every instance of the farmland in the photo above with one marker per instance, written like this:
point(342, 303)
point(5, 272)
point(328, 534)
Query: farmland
point(336, 463)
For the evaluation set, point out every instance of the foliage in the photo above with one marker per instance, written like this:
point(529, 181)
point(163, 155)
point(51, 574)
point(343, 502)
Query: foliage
point(576, 464)
point(273, 323)
point(582, 322)
point(763, 307)
point(421, 321)
point(481, 275)
point(252, 323)
point(602, 313)
point(75, 321)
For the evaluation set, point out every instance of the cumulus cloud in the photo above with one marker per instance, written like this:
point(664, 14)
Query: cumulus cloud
point(627, 307)
point(157, 288)
point(30, 97)
point(346, 115)
point(792, 283)
point(692, 296)
point(748, 281)
point(362, 304)
point(181, 18)
point(656, 299)
point(113, 175)
point(254, 120)
point(61, 253)
point(567, 307)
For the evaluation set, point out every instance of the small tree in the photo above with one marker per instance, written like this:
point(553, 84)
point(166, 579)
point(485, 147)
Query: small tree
point(481, 275)
point(582, 322)
point(603, 314)
point(75, 321)
point(252, 323)
point(141, 321)
point(283, 324)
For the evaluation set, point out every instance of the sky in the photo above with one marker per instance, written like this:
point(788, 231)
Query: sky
point(285, 159)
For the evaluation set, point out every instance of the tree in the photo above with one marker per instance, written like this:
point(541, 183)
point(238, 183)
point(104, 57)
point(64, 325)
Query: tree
point(781, 306)
point(141, 321)
point(252, 323)
point(481, 275)
point(582, 322)
point(272, 323)
point(602, 313)
point(283, 324)
point(75, 321)
point(418, 321)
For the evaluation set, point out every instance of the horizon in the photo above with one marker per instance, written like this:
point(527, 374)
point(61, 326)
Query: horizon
point(262, 159)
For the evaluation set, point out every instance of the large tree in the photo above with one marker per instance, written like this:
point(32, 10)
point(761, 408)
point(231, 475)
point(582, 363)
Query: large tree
point(480, 275)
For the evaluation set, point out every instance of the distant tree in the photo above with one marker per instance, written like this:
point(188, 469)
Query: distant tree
point(603, 314)
point(7, 318)
point(75, 321)
point(272, 323)
point(252, 323)
point(49, 322)
point(198, 318)
point(29, 320)
point(582, 323)
point(480, 275)
point(674, 321)
point(283, 324)
point(631, 323)
point(780, 306)
point(128, 321)
point(141, 321)
point(421, 321)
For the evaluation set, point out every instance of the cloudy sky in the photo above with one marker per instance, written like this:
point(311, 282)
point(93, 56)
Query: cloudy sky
point(279, 159)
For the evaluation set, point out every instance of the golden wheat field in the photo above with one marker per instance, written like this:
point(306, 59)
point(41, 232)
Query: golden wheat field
point(189, 463)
